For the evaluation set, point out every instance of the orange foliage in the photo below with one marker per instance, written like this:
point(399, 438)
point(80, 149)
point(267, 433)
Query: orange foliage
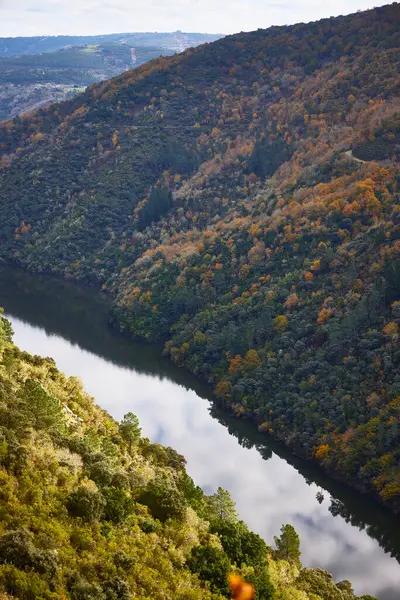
point(391, 329)
point(291, 301)
point(323, 315)
point(236, 364)
point(322, 451)
point(240, 589)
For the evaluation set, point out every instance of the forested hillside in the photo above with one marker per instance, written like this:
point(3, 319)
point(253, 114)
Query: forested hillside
point(240, 201)
point(89, 509)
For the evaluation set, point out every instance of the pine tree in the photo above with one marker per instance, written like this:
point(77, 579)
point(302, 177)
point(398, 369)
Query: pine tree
point(288, 545)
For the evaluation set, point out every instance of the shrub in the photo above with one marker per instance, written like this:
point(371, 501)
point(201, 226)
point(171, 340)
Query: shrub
point(25, 586)
point(211, 565)
point(164, 500)
point(17, 548)
point(81, 589)
point(86, 503)
point(118, 504)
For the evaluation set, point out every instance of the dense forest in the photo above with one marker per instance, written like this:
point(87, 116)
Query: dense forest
point(240, 202)
point(89, 509)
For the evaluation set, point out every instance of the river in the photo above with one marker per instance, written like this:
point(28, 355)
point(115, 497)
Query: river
point(345, 532)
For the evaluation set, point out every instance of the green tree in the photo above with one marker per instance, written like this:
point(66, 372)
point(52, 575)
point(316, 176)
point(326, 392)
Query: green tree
point(288, 545)
point(164, 499)
point(221, 506)
point(44, 410)
point(130, 429)
point(239, 543)
point(85, 503)
point(211, 565)
point(118, 504)
point(262, 584)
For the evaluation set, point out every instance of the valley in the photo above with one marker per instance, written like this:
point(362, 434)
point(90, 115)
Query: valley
point(210, 239)
point(210, 195)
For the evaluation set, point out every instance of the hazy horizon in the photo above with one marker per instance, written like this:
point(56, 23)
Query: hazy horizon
point(102, 17)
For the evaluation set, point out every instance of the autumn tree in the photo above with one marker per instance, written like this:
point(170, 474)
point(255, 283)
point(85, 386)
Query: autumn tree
point(280, 323)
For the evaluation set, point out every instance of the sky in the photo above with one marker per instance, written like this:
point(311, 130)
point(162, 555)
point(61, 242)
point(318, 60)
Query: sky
point(86, 17)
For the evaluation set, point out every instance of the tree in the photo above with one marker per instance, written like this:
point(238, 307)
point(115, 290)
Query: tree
point(118, 504)
point(280, 323)
point(86, 503)
point(221, 506)
point(288, 545)
point(211, 565)
point(251, 360)
point(239, 543)
point(262, 583)
point(164, 499)
point(157, 205)
point(45, 410)
point(130, 429)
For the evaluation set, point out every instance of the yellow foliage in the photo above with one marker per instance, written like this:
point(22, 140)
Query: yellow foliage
point(322, 451)
point(280, 323)
point(251, 360)
point(316, 265)
point(391, 329)
point(222, 389)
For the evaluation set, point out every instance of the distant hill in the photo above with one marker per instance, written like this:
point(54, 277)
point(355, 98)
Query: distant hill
point(240, 202)
point(38, 71)
point(177, 41)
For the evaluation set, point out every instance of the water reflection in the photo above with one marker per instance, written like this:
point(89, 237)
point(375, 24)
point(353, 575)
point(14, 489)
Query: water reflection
point(270, 487)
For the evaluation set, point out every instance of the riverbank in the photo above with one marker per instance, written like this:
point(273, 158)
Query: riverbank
point(108, 301)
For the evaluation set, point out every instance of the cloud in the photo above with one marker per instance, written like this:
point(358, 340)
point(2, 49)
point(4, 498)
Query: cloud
point(83, 17)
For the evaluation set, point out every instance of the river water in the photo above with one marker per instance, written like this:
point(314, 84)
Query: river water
point(346, 533)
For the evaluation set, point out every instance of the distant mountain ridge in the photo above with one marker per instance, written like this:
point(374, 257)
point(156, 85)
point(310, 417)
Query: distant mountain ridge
point(35, 72)
point(177, 41)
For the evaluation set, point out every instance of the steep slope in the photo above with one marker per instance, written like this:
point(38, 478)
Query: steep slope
point(240, 201)
point(91, 510)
